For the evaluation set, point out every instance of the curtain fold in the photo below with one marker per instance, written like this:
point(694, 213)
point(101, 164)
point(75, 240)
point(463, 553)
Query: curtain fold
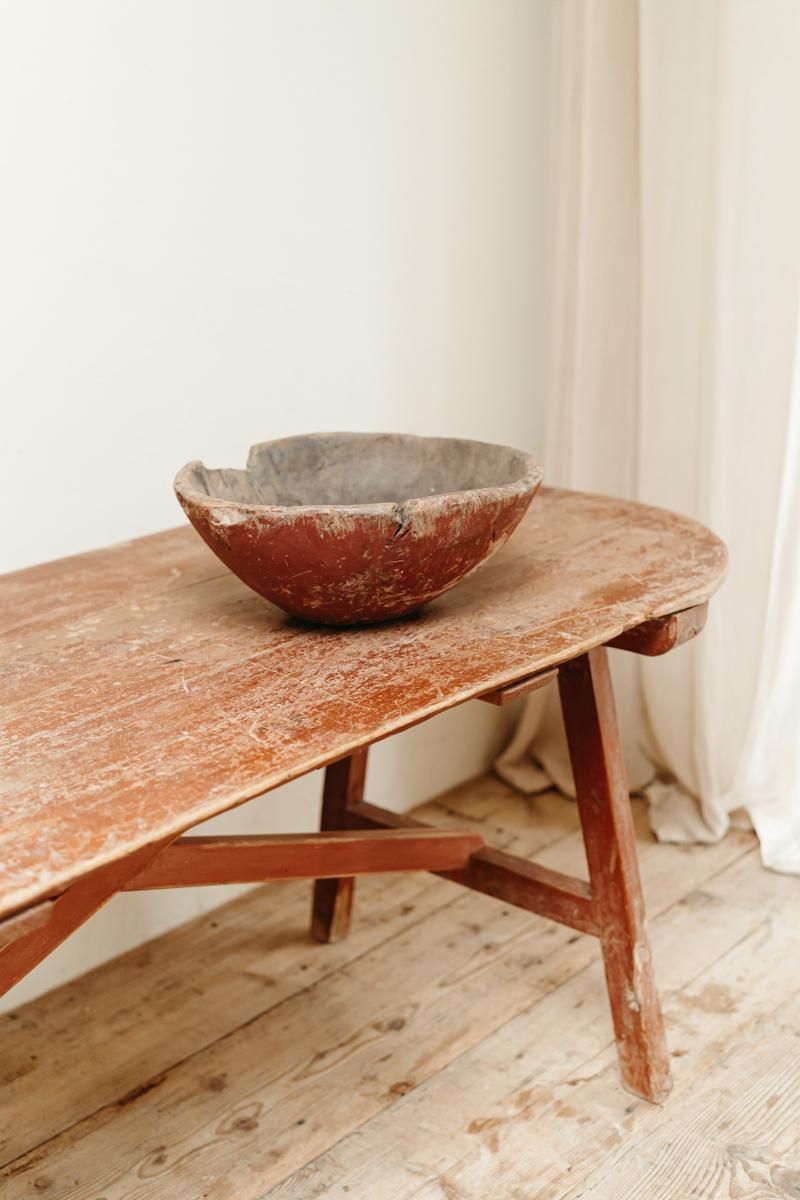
point(675, 289)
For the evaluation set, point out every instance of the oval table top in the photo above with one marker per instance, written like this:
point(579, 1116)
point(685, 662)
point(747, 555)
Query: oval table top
point(145, 688)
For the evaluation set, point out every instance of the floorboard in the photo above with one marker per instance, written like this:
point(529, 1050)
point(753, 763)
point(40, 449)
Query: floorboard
point(450, 1049)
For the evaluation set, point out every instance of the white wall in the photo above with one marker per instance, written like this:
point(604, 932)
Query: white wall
point(225, 222)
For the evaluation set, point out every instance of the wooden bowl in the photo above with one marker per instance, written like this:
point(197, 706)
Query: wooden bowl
point(342, 528)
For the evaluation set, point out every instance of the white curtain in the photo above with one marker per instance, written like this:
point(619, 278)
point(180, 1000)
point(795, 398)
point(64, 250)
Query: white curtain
point(675, 295)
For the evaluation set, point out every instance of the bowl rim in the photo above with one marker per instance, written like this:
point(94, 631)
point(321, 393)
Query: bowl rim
point(529, 481)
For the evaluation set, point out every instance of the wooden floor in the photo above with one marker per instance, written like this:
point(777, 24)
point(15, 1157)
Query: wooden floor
point(452, 1049)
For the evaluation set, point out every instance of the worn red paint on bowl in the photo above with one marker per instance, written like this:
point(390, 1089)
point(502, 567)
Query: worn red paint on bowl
point(343, 528)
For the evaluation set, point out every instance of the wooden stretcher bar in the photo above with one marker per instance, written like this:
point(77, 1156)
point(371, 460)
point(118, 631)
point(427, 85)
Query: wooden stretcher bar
point(201, 861)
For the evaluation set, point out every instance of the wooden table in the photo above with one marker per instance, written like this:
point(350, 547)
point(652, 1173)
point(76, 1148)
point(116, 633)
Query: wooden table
point(146, 690)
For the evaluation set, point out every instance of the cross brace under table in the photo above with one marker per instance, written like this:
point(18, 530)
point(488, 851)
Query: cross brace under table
point(359, 838)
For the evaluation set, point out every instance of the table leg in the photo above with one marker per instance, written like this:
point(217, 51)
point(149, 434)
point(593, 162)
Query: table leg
point(68, 911)
point(604, 804)
point(333, 898)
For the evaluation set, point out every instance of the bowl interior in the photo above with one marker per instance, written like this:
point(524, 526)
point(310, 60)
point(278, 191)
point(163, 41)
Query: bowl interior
point(348, 469)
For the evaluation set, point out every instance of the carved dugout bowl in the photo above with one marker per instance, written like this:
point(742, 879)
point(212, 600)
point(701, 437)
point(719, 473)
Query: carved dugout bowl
point(343, 528)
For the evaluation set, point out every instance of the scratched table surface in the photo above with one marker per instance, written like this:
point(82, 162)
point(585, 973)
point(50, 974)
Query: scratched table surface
point(145, 688)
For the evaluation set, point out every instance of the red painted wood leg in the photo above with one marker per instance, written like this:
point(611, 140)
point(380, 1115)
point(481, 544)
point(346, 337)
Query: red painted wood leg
point(68, 911)
point(332, 904)
point(604, 804)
